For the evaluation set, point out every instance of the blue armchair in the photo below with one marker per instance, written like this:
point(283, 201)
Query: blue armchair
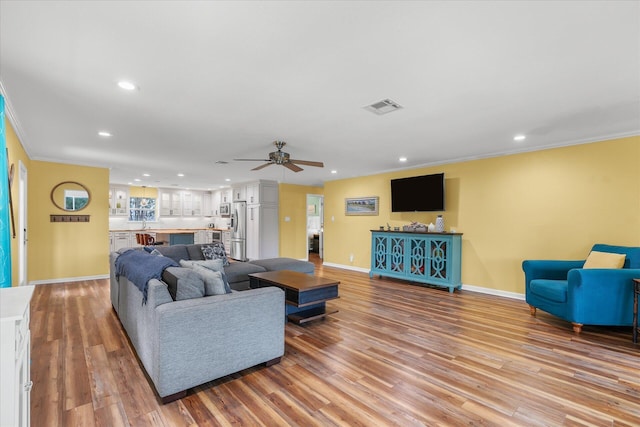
point(584, 296)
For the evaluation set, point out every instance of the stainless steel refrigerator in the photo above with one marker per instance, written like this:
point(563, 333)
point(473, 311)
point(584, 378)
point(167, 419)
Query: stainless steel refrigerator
point(239, 231)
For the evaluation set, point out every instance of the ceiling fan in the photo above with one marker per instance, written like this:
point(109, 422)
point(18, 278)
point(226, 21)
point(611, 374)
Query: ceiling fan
point(281, 158)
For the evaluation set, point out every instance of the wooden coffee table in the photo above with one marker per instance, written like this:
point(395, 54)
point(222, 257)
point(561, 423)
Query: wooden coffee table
point(305, 295)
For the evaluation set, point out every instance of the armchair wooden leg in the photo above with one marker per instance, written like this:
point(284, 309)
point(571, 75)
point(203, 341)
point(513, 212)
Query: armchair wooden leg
point(577, 327)
point(532, 310)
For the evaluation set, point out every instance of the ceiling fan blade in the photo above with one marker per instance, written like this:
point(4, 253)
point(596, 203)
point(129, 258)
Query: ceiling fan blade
point(262, 166)
point(308, 163)
point(291, 166)
point(251, 160)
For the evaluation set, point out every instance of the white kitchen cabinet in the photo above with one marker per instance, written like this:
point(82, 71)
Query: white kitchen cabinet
point(191, 203)
point(262, 231)
point(120, 240)
point(15, 356)
point(200, 237)
point(239, 193)
point(118, 200)
point(226, 195)
point(170, 203)
point(262, 192)
point(209, 203)
point(226, 241)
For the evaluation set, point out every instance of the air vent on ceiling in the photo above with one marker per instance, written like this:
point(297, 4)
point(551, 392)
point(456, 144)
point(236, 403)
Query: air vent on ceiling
point(383, 107)
point(221, 162)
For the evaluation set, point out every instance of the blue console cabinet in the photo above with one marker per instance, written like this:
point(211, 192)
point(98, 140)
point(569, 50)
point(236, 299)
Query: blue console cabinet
point(431, 258)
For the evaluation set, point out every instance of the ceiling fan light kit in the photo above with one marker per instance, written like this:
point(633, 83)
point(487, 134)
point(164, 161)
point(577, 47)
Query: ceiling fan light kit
point(282, 158)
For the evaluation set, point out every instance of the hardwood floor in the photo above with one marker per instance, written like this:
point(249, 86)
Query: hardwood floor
point(394, 354)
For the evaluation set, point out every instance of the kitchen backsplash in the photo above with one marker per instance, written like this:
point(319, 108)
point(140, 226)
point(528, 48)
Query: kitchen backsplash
point(122, 223)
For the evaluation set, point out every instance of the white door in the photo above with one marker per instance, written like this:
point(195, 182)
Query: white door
point(22, 224)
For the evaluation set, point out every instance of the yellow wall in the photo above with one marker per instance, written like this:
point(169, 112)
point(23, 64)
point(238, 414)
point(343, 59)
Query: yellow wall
point(552, 204)
point(67, 250)
point(16, 154)
point(293, 233)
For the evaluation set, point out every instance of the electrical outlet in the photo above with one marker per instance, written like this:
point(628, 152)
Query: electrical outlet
point(350, 257)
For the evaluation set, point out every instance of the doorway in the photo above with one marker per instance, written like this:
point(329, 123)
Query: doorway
point(315, 225)
point(22, 224)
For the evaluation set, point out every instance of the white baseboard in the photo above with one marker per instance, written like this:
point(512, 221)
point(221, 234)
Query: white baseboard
point(471, 288)
point(68, 279)
point(346, 267)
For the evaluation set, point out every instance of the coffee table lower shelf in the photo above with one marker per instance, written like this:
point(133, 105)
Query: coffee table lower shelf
point(309, 314)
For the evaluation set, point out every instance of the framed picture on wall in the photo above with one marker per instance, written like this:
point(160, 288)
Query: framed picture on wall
point(311, 209)
point(361, 205)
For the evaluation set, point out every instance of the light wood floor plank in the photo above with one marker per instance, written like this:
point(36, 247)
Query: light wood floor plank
point(394, 354)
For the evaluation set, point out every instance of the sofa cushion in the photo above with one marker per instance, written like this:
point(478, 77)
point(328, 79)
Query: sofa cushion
point(604, 260)
point(552, 290)
point(239, 271)
point(195, 252)
point(213, 283)
point(175, 252)
point(215, 250)
point(183, 283)
point(211, 264)
point(276, 264)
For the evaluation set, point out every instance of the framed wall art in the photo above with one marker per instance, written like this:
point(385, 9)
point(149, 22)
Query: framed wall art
point(361, 206)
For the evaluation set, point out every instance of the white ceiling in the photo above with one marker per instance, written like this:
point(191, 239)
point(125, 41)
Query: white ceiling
point(222, 80)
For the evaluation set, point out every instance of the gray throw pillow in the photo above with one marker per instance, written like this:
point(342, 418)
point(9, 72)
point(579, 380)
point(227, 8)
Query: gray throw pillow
point(183, 283)
point(211, 264)
point(215, 251)
point(213, 283)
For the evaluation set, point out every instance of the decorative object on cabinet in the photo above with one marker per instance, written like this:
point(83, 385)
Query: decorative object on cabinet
point(439, 224)
point(361, 206)
point(433, 259)
point(70, 196)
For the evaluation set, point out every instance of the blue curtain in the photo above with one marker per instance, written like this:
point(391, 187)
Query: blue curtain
point(5, 225)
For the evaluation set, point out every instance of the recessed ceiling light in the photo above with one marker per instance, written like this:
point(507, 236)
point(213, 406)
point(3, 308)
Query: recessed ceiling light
point(519, 138)
point(137, 180)
point(145, 174)
point(180, 174)
point(402, 159)
point(123, 84)
point(227, 179)
point(334, 171)
point(104, 133)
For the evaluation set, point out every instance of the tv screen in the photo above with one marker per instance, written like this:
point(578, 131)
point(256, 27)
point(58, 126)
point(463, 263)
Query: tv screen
point(418, 193)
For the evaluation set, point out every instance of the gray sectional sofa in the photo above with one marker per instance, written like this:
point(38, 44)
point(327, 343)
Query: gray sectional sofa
point(185, 343)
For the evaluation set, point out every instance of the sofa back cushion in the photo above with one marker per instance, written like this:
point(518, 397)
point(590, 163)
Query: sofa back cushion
point(183, 283)
point(195, 252)
point(175, 252)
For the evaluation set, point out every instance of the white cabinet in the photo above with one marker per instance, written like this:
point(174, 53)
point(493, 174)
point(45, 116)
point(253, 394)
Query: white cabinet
point(170, 203)
point(226, 241)
point(226, 195)
point(118, 200)
point(210, 203)
point(15, 356)
point(120, 240)
point(239, 193)
point(201, 236)
point(262, 231)
point(191, 203)
point(262, 192)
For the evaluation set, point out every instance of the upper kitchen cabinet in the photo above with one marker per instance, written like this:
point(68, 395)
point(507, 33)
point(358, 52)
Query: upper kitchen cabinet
point(118, 200)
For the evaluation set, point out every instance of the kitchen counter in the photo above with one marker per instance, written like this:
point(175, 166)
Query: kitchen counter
point(173, 230)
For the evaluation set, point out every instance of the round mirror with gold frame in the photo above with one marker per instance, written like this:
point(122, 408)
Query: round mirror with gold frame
point(70, 196)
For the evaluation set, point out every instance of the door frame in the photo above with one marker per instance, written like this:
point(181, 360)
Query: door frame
point(22, 224)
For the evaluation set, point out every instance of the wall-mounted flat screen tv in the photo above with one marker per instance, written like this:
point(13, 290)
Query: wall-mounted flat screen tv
point(418, 193)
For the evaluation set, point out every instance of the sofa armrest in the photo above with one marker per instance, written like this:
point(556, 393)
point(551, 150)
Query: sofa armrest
point(548, 269)
point(202, 339)
point(601, 295)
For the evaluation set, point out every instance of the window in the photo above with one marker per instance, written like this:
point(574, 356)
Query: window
point(142, 209)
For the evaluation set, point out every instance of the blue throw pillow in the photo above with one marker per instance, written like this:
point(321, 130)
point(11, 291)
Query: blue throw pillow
point(215, 251)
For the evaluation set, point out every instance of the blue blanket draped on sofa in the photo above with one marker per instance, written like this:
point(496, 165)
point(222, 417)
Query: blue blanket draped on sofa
point(140, 267)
